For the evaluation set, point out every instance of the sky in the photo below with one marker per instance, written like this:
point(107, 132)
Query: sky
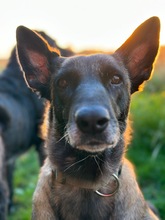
point(85, 24)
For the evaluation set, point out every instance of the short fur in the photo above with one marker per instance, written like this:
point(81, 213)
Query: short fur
point(89, 104)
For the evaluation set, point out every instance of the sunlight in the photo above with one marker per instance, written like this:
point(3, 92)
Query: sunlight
point(91, 24)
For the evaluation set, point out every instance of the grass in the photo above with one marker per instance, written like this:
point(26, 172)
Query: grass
point(147, 152)
point(27, 169)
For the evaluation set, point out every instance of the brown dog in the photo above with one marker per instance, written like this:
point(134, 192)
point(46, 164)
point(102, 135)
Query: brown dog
point(86, 175)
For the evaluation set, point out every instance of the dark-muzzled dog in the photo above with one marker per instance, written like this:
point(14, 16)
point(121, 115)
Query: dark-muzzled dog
point(86, 174)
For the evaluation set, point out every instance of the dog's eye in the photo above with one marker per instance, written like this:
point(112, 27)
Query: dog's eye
point(62, 83)
point(116, 79)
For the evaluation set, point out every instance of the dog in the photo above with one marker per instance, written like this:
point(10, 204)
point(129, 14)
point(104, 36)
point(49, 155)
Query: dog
point(86, 174)
point(21, 114)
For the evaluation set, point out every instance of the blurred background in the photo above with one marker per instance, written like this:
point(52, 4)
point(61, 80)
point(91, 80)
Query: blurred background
point(90, 24)
point(93, 25)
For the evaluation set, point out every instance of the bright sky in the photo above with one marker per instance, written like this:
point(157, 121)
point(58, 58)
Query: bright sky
point(96, 24)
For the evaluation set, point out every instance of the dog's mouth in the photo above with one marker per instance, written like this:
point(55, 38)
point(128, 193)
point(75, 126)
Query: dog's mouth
point(94, 147)
point(93, 143)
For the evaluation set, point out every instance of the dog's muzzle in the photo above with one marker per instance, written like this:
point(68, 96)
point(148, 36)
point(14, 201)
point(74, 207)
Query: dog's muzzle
point(92, 129)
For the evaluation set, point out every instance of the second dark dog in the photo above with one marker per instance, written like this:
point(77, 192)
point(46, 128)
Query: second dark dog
point(86, 175)
point(20, 117)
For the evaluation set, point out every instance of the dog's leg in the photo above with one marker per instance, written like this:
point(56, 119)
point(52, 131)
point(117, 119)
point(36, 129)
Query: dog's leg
point(3, 183)
point(3, 200)
point(9, 175)
point(41, 209)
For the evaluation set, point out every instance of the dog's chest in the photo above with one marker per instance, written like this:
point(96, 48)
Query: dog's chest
point(73, 203)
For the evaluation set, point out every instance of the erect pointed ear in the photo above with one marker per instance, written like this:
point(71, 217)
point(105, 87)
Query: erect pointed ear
point(139, 51)
point(35, 56)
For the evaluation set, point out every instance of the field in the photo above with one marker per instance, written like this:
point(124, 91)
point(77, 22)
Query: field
point(146, 151)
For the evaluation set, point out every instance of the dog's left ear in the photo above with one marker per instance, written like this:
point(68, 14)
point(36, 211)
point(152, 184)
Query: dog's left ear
point(35, 58)
point(139, 51)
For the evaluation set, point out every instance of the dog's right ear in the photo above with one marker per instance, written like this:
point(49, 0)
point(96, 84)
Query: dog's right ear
point(139, 51)
point(35, 56)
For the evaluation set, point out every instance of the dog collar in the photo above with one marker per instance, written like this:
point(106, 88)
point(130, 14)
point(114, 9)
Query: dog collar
point(117, 184)
point(103, 191)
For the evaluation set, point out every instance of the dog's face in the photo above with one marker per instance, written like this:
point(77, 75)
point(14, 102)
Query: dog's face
point(89, 95)
point(91, 99)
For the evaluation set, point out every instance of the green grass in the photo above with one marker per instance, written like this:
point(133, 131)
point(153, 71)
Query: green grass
point(25, 179)
point(147, 152)
point(157, 83)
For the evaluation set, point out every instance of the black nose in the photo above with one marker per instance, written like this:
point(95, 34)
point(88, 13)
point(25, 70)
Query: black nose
point(92, 119)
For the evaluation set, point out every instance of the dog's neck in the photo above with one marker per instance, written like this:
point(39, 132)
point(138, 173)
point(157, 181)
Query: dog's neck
point(102, 188)
point(84, 170)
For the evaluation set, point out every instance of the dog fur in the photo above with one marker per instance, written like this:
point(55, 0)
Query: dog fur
point(89, 104)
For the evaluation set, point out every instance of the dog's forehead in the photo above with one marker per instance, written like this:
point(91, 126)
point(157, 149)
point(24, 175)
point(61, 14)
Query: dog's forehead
point(93, 63)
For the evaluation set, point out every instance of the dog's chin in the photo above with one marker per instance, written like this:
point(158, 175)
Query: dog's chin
point(94, 148)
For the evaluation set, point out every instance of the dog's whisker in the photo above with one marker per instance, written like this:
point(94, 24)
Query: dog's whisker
point(79, 168)
point(76, 163)
point(99, 158)
point(98, 165)
point(64, 136)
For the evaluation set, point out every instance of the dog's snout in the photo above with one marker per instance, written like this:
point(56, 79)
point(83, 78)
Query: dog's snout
point(92, 120)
